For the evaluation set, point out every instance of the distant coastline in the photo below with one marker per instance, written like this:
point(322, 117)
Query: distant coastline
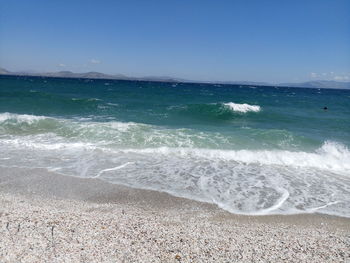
point(317, 84)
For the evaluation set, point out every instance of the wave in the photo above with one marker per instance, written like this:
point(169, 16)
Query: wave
point(20, 118)
point(53, 133)
point(85, 99)
point(14, 118)
point(112, 132)
point(215, 111)
point(240, 181)
point(331, 156)
point(242, 107)
point(145, 138)
point(244, 182)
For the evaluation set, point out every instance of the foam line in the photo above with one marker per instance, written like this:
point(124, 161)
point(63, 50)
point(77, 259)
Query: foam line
point(278, 204)
point(323, 206)
point(112, 169)
point(331, 156)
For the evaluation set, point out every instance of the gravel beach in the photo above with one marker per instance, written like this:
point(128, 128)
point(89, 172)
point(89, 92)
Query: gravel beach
point(45, 217)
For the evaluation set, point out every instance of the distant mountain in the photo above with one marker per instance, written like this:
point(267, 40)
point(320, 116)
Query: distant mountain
point(250, 83)
point(89, 75)
point(320, 84)
point(163, 79)
point(4, 71)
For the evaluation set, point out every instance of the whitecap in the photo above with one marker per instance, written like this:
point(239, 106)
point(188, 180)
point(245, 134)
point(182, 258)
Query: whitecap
point(242, 107)
point(6, 116)
point(331, 156)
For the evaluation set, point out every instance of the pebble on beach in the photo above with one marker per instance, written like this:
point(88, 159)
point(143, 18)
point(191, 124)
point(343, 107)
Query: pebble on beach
point(44, 230)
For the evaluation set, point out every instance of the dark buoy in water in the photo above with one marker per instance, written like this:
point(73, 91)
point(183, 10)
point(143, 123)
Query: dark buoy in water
point(325, 108)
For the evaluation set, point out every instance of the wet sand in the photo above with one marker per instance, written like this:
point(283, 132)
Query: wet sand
point(46, 217)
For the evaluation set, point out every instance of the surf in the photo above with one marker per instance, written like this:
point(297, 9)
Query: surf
point(250, 151)
point(218, 111)
point(244, 108)
point(149, 139)
point(241, 182)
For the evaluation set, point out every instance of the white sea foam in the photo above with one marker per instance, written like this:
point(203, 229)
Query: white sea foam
point(112, 169)
point(87, 99)
point(75, 123)
point(30, 143)
point(113, 104)
point(6, 116)
point(331, 156)
point(246, 181)
point(122, 126)
point(241, 181)
point(242, 107)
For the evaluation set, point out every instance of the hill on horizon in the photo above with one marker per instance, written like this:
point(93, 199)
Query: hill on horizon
point(321, 84)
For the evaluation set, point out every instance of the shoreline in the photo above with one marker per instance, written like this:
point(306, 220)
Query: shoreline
point(39, 181)
point(39, 203)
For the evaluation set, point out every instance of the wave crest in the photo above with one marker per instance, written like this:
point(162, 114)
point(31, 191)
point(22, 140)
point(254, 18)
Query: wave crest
point(20, 117)
point(242, 107)
point(331, 156)
point(215, 111)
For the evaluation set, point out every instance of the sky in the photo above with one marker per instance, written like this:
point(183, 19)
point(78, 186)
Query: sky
point(226, 40)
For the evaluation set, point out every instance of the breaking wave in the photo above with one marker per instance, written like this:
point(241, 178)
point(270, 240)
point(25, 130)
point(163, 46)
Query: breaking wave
point(182, 162)
point(38, 131)
point(331, 156)
point(20, 118)
point(242, 107)
point(215, 111)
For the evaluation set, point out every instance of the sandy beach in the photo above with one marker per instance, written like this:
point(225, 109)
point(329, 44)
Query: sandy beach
point(46, 217)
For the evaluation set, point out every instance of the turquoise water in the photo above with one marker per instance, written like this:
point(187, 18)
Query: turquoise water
point(250, 150)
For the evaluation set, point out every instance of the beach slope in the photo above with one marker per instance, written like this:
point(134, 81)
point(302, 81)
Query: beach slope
point(46, 217)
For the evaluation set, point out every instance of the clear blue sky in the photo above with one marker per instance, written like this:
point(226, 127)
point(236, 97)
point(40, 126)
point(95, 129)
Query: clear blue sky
point(271, 40)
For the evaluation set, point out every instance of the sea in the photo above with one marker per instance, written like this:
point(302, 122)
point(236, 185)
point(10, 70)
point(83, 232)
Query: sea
point(253, 150)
